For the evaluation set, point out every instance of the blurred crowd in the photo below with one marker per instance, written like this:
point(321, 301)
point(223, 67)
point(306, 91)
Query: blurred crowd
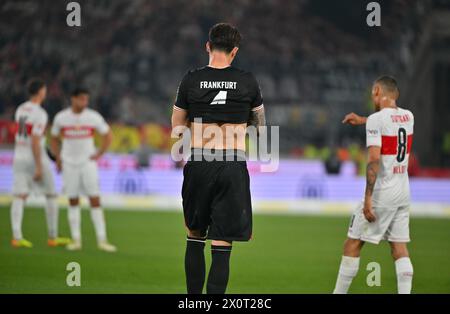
point(132, 54)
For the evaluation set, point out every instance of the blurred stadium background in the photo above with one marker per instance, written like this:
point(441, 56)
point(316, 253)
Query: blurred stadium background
point(315, 61)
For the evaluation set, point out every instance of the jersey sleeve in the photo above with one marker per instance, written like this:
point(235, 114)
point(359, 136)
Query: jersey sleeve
point(257, 98)
point(412, 119)
point(373, 131)
point(100, 124)
point(39, 123)
point(56, 126)
point(181, 101)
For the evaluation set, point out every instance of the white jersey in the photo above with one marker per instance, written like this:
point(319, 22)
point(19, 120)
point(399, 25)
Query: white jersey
point(392, 130)
point(77, 132)
point(30, 119)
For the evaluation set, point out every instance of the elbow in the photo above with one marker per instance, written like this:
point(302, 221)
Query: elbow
point(109, 138)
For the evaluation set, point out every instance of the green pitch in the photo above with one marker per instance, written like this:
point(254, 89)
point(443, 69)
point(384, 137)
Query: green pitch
point(289, 254)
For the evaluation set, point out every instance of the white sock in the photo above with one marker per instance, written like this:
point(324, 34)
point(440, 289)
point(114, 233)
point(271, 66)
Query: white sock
point(16, 217)
point(51, 211)
point(347, 271)
point(404, 270)
point(74, 214)
point(98, 220)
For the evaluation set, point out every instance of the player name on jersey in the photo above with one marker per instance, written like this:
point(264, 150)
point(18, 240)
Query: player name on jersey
point(218, 84)
point(400, 118)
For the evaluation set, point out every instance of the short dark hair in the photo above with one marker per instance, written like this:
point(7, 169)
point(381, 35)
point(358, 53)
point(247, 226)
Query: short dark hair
point(34, 86)
point(224, 37)
point(389, 83)
point(78, 91)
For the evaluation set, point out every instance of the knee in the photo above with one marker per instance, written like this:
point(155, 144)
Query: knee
point(94, 201)
point(352, 247)
point(51, 197)
point(197, 234)
point(74, 201)
point(23, 197)
point(399, 250)
point(221, 243)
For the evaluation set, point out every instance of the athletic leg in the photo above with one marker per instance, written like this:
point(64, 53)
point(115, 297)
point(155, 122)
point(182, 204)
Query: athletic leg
point(403, 267)
point(194, 262)
point(21, 188)
point(51, 212)
point(98, 220)
point(220, 267)
point(17, 215)
point(349, 265)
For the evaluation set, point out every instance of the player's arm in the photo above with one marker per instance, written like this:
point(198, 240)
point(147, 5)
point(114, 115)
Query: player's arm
point(257, 116)
point(373, 139)
point(55, 148)
point(373, 166)
point(55, 142)
point(36, 149)
point(37, 132)
point(180, 121)
point(354, 119)
point(180, 114)
point(106, 138)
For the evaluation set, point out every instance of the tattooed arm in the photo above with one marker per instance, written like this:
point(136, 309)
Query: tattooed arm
point(373, 165)
point(257, 119)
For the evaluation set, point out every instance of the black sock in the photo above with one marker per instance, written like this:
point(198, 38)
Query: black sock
point(194, 265)
point(220, 269)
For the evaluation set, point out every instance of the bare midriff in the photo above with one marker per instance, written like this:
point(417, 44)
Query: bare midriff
point(218, 136)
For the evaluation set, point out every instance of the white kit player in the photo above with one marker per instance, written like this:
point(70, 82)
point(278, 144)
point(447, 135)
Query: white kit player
point(77, 159)
point(384, 213)
point(32, 166)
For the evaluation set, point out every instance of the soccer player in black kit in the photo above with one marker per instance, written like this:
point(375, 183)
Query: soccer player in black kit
point(216, 191)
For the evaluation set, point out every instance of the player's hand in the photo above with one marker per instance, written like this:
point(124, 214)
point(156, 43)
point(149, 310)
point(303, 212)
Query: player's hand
point(368, 212)
point(58, 164)
point(37, 174)
point(354, 119)
point(96, 156)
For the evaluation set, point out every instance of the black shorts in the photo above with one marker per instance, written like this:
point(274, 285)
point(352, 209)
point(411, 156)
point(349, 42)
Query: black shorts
point(216, 196)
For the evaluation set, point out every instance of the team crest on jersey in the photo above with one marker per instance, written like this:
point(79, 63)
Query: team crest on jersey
point(77, 132)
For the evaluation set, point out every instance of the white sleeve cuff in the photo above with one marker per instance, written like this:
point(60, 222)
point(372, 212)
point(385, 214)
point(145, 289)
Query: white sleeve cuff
point(178, 108)
point(258, 108)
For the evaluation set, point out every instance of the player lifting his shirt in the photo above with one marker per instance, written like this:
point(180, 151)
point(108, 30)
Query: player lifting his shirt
point(216, 193)
point(384, 213)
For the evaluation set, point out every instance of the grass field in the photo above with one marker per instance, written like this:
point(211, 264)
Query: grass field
point(289, 254)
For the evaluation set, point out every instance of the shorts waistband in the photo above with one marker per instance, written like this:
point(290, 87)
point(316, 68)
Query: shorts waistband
point(202, 154)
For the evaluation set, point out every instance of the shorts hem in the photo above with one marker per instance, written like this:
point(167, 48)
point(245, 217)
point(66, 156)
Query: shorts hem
point(364, 239)
point(228, 239)
point(20, 193)
point(68, 195)
point(369, 240)
point(399, 240)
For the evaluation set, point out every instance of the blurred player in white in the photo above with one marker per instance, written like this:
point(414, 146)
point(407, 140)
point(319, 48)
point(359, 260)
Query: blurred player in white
point(32, 167)
point(384, 213)
point(77, 159)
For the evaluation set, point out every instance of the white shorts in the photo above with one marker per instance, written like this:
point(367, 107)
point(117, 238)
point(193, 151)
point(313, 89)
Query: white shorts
point(80, 179)
point(23, 183)
point(391, 224)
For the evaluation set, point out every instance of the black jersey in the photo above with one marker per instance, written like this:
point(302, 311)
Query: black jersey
point(219, 95)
